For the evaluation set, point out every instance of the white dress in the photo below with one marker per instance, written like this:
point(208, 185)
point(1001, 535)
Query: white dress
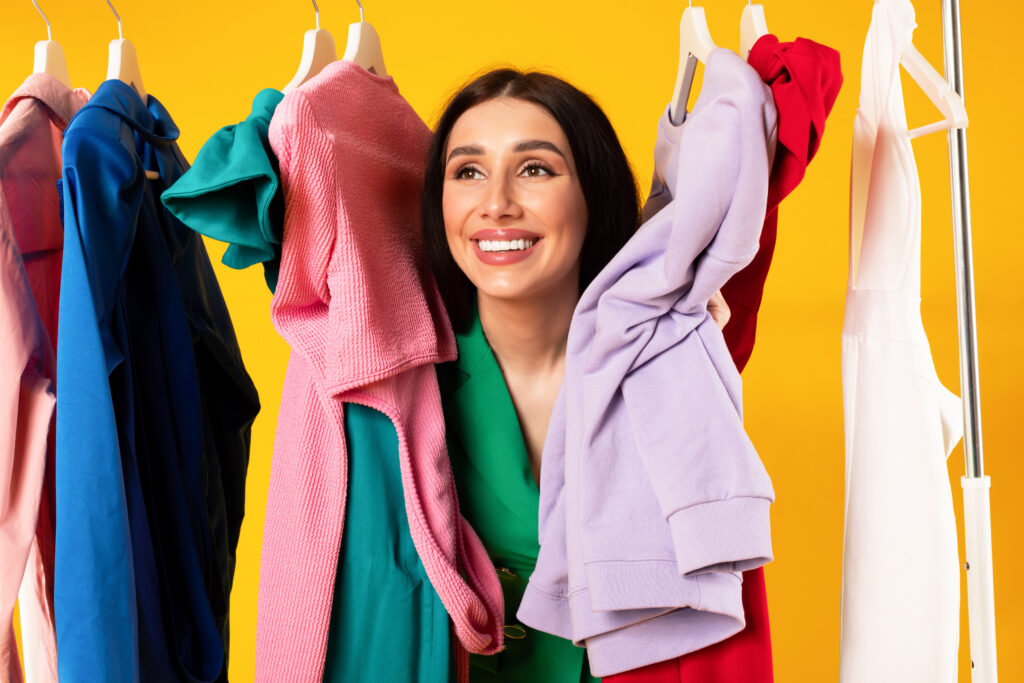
point(900, 600)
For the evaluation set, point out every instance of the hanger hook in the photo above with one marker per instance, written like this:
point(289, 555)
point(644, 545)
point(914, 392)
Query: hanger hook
point(361, 18)
point(120, 32)
point(49, 33)
point(317, 10)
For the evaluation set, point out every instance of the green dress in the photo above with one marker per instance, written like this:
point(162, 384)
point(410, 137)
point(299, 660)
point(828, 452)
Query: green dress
point(387, 622)
point(501, 500)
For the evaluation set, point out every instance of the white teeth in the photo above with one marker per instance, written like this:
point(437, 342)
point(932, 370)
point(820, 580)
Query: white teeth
point(505, 245)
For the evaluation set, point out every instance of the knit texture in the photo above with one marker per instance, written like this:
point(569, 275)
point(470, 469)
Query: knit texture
point(357, 304)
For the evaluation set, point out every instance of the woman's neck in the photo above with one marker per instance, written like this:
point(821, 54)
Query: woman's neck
point(528, 335)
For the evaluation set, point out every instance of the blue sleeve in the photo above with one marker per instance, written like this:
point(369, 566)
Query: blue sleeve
point(94, 591)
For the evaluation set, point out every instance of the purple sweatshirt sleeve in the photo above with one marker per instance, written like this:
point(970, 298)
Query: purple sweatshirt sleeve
point(652, 495)
point(710, 180)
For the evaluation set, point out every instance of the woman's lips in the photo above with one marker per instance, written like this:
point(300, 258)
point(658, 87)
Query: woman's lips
point(504, 247)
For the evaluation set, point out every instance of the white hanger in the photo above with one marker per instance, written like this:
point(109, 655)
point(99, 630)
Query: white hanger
point(363, 46)
point(695, 44)
point(123, 61)
point(49, 55)
point(317, 52)
point(753, 26)
point(938, 91)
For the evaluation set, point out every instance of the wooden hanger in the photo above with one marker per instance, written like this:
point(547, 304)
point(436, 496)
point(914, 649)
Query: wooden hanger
point(938, 91)
point(695, 44)
point(123, 60)
point(363, 46)
point(317, 52)
point(753, 26)
point(49, 55)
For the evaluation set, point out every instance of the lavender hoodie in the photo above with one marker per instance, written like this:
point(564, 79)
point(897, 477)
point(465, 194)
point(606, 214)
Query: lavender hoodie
point(653, 499)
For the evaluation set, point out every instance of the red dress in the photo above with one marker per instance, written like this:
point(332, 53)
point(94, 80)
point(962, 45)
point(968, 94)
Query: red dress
point(805, 79)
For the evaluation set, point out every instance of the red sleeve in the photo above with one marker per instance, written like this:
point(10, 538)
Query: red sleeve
point(805, 79)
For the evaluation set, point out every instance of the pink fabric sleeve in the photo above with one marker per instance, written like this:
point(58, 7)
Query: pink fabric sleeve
point(26, 408)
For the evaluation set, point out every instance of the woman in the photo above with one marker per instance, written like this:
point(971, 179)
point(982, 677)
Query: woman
point(527, 196)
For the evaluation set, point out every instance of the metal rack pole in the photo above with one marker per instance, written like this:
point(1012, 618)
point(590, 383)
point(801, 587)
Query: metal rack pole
point(977, 518)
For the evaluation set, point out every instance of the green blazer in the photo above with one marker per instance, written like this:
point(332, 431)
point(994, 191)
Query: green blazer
point(500, 498)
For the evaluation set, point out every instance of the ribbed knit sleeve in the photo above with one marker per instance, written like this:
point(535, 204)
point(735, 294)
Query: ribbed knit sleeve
point(306, 501)
point(356, 302)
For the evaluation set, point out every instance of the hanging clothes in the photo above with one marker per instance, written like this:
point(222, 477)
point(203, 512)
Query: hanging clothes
point(662, 580)
point(901, 581)
point(351, 152)
point(805, 78)
point(32, 123)
point(232, 192)
point(501, 500)
point(153, 426)
point(387, 622)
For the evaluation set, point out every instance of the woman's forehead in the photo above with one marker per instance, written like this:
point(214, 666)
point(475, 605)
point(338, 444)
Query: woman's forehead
point(504, 122)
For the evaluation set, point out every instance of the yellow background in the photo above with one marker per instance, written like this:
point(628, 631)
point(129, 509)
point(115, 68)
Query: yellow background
point(206, 60)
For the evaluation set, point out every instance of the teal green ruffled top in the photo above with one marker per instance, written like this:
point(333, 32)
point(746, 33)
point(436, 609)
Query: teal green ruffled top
point(233, 193)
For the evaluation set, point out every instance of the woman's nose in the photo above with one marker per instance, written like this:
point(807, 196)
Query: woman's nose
point(499, 200)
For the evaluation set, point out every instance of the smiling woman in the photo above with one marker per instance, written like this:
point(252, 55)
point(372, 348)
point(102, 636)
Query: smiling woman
point(528, 195)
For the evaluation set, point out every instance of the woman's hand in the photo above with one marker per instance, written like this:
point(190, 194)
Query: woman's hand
point(718, 309)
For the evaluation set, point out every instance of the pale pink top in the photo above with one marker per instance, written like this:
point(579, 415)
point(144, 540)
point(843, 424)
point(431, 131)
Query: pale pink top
point(357, 304)
point(31, 240)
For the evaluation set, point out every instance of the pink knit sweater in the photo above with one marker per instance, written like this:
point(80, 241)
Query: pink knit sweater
point(356, 302)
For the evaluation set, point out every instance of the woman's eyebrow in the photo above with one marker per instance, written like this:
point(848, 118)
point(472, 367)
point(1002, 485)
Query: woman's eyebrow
point(522, 146)
point(469, 150)
point(530, 145)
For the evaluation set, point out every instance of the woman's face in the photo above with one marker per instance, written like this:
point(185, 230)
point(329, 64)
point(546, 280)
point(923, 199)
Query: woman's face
point(514, 212)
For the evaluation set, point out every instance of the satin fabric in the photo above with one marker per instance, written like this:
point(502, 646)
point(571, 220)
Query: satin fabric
point(387, 622)
point(153, 429)
point(232, 192)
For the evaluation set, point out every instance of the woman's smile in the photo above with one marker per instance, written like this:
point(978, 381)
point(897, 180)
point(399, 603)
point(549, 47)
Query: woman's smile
point(503, 247)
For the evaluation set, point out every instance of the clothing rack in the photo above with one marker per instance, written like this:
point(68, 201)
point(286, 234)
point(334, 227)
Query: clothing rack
point(977, 517)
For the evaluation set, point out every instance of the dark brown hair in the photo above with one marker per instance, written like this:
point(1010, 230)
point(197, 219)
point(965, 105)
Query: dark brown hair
point(609, 187)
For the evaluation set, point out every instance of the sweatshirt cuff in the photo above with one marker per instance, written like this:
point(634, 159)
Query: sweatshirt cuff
point(722, 535)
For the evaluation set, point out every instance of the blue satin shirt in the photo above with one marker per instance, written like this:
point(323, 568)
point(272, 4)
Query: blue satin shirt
point(153, 416)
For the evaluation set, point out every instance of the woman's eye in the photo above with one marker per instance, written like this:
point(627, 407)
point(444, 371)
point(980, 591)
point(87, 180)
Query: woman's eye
point(536, 170)
point(467, 173)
